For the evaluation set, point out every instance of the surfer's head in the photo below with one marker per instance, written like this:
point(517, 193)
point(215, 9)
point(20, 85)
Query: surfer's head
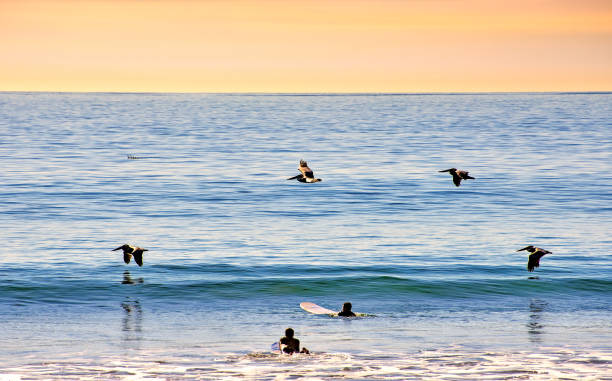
point(289, 332)
point(347, 307)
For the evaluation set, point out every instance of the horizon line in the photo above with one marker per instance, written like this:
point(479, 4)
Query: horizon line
point(280, 93)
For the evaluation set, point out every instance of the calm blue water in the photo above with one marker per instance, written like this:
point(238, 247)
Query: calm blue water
point(234, 247)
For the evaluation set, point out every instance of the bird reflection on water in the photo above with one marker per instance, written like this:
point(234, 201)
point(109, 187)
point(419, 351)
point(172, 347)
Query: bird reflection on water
point(127, 278)
point(534, 324)
point(131, 323)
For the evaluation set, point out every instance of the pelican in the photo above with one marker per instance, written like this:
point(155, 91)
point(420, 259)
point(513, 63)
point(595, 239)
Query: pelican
point(129, 251)
point(307, 176)
point(458, 175)
point(534, 257)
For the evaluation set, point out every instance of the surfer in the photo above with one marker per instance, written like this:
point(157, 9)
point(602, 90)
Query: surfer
point(290, 344)
point(346, 310)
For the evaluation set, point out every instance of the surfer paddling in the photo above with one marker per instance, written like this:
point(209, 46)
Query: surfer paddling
point(289, 344)
point(346, 310)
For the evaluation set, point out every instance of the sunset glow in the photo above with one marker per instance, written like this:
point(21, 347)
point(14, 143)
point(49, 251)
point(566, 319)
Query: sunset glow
point(305, 46)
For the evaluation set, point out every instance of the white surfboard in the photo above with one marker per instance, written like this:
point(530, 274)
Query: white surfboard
point(277, 347)
point(317, 309)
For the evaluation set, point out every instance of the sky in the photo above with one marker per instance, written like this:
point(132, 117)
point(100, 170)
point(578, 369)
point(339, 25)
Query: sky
point(305, 46)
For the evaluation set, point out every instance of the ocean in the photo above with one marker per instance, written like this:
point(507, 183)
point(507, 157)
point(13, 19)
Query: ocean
point(200, 180)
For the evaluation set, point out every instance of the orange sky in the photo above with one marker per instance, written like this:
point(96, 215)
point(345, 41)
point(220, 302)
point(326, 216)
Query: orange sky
point(305, 45)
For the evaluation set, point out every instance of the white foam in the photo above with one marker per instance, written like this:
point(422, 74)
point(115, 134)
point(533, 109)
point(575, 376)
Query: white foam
point(450, 363)
point(10, 377)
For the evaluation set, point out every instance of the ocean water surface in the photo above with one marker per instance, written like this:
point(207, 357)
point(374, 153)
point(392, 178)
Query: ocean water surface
point(234, 247)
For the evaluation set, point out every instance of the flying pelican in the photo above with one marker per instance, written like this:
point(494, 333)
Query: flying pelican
point(307, 176)
point(534, 257)
point(458, 175)
point(129, 251)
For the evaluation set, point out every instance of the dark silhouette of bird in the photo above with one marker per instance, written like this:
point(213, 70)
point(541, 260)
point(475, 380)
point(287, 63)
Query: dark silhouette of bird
point(534, 257)
point(129, 251)
point(306, 175)
point(458, 175)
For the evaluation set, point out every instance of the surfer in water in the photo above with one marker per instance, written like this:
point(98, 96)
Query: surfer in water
point(290, 344)
point(346, 310)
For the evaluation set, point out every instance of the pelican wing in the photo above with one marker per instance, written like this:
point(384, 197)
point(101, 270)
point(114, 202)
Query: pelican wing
point(465, 175)
point(456, 179)
point(138, 256)
point(534, 260)
point(306, 172)
point(127, 257)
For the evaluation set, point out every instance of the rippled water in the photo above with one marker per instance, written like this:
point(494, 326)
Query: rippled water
point(234, 247)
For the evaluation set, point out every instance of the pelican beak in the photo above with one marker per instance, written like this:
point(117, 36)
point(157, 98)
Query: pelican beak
point(524, 248)
point(446, 170)
point(117, 248)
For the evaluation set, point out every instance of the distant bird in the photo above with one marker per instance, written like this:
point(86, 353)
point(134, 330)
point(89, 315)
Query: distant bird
point(458, 175)
point(129, 251)
point(307, 176)
point(534, 257)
